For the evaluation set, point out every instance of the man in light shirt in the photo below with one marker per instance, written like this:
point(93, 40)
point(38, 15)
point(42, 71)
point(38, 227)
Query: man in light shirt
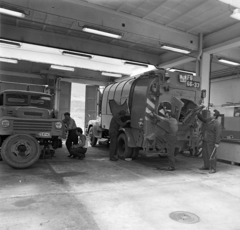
point(70, 127)
point(78, 150)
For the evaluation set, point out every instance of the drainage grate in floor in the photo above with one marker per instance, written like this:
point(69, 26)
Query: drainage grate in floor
point(184, 217)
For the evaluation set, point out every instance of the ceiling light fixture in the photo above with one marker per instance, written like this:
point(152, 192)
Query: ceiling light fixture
point(236, 14)
point(14, 61)
point(111, 74)
point(137, 64)
point(228, 62)
point(231, 104)
point(183, 71)
point(101, 32)
point(73, 54)
point(12, 13)
point(175, 49)
point(9, 44)
point(62, 68)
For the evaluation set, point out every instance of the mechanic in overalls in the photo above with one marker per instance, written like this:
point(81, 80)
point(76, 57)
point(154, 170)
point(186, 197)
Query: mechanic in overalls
point(212, 131)
point(115, 124)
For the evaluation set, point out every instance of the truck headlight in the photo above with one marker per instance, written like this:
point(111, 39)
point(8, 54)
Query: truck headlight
point(58, 125)
point(5, 123)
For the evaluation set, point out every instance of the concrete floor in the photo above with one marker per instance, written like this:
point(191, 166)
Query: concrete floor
point(63, 193)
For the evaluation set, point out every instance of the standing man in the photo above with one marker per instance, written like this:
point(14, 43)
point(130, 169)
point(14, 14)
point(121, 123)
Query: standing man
point(211, 130)
point(115, 124)
point(79, 149)
point(171, 138)
point(70, 127)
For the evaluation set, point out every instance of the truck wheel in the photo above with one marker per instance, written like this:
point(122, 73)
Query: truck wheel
point(20, 150)
point(123, 150)
point(93, 140)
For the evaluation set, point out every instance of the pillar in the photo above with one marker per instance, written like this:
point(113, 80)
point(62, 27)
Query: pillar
point(205, 67)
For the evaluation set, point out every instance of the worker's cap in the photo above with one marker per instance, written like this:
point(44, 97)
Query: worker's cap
point(67, 114)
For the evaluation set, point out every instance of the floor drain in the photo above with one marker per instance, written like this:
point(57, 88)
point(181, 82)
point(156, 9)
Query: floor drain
point(184, 217)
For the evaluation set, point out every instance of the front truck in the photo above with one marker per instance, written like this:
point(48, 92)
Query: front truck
point(26, 123)
point(156, 92)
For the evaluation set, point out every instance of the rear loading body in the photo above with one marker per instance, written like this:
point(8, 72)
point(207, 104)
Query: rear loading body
point(151, 92)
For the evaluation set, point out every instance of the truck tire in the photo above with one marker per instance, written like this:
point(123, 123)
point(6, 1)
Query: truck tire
point(93, 140)
point(20, 150)
point(124, 151)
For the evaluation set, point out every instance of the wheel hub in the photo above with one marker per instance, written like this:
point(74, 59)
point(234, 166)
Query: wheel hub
point(21, 148)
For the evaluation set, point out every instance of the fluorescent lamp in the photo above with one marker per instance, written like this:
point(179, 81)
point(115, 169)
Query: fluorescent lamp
point(73, 54)
point(228, 62)
point(175, 49)
point(231, 104)
point(137, 64)
point(101, 32)
point(183, 71)
point(14, 61)
point(236, 14)
point(62, 68)
point(111, 74)
point(9, 44)
point(12, 13)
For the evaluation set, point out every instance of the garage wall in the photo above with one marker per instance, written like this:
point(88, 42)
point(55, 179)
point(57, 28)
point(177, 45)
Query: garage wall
point(225, 90)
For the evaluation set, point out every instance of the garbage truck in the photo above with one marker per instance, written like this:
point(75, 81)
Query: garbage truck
point(28, 127)
point(151, 92)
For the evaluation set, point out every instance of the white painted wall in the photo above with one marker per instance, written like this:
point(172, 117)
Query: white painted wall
point(225, 90)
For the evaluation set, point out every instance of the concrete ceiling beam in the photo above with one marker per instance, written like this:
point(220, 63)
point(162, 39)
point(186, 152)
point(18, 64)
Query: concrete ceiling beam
point(83, 77)
point(129, 25)
point(174, 60)
point(75, 44)
point(225, 39)
point(19, 74)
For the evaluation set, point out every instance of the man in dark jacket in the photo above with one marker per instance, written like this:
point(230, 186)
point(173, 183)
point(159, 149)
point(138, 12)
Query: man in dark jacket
point(115, 124)
point(171, 137)
point(211, 130)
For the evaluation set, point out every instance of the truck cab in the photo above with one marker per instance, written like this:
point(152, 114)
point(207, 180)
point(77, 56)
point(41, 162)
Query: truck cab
point(27, 120)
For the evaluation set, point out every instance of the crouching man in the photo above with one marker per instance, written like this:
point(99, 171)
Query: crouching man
point(78, 150)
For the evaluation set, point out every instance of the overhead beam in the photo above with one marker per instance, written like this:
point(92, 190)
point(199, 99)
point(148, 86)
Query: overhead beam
point(93, 14)
point(76, 44)
point(19, 74)
point(225, 39)
point(230, 44)
point(214, 43)
point(172, 60)
point(83, 77)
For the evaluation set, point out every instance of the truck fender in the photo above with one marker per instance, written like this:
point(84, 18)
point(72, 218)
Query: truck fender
point(129, 135)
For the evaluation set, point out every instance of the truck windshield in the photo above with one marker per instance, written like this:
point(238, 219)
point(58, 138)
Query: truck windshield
point(16, 99)
point(40, 101)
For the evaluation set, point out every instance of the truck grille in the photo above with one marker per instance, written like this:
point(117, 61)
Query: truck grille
point(21, 125)
point(33, 114)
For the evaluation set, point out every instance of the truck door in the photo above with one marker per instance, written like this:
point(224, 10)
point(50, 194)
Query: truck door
point(177, 105)
point(92, 103)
